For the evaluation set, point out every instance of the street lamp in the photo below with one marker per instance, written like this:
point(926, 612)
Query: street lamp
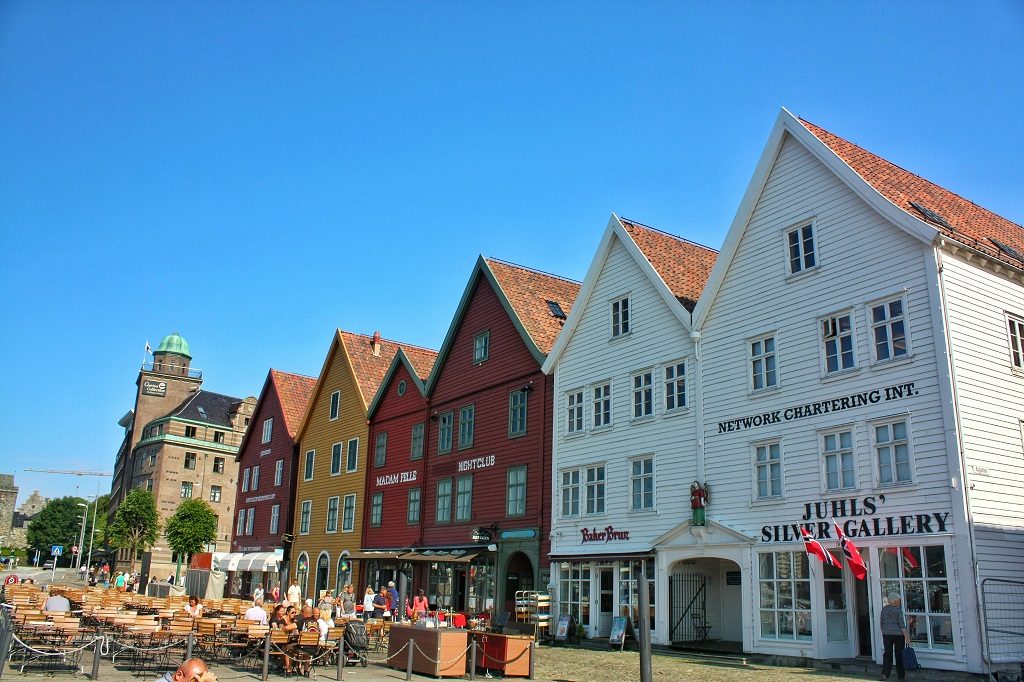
point(81, 537)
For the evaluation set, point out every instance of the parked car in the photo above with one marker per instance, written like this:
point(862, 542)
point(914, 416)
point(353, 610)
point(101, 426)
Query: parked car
point(48, 564)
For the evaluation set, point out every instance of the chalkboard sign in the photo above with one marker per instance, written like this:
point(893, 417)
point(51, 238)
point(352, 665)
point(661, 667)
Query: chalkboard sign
point(564, 623)
point(622, 627)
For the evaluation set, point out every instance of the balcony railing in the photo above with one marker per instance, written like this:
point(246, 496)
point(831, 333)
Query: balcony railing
point(173, 370)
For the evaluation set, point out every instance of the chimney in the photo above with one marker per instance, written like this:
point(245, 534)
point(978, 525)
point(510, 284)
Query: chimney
point(376, 344)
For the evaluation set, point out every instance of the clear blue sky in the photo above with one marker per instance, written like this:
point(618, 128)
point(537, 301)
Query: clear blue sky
point(256, 174)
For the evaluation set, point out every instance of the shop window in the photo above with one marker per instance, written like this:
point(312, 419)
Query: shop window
point(919, 575)
point(629, 600)
point(574, 591)
point(784, 595)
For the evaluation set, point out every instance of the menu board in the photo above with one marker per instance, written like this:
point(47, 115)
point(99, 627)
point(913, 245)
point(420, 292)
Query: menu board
point(562, 631)
point(622, 628)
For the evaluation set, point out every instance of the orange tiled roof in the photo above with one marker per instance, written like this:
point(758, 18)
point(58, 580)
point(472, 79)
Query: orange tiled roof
point(370, 369)
point(969, 223)
point(529, 292)
point(294, 392)
point(683, 265)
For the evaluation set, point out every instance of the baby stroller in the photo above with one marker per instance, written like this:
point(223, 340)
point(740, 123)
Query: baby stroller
point(356, 643)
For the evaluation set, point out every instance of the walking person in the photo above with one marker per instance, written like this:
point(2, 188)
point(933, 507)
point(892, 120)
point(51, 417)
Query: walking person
point(894, 637)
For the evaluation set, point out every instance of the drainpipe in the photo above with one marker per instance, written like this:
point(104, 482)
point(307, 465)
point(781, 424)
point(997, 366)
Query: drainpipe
point(698, 402)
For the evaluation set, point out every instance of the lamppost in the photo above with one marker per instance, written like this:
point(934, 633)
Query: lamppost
point(81, 536)
point(92, 534)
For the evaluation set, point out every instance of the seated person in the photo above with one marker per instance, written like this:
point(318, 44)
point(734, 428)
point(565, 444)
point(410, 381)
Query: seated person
point(194, 607)
point(57, 601)
point(324, 622)
point(256, 612)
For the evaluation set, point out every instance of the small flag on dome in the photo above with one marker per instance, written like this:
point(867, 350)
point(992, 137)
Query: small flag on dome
point(148, 349)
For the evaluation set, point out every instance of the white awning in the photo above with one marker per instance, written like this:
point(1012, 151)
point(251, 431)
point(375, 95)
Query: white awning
point(227, 562)
point(259, 561)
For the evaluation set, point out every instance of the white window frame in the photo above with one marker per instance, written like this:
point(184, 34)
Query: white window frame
point(620, 316)
point(642, 385)
point(250, 520)
point(570, 492)
point(516, 491)
point(334, 410)
point(887, 324)
point(255, 477)
point(309, 465)
point(876, 447)
point(759, 358)
point(671, 384)
point(336, 501)
point(606, 398)
point(337, 452)
point(348, 513)
point(467, 434)
point(240, 524)
point(823, 436)
point(275, 519)
point(305, 516)
point(481, 347)
point(377, 510)
point(279, 472)
point(598, 486)
point(351, 462)
point(767, 464)
point(216, 492)
point(245, 480)
point(268, 429)
point(575, 412)
point(635, 477)
point(799, 230)
point(829, 328)
point(797, 581)
point(1015, 341)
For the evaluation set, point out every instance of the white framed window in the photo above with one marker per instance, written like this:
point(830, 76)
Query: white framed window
point(380, 449)
point(784, 595)
point(304, 516)
point(335, 405)
point(444, 501)
point(574, 412)
point(595, 489)
point(250, 520)
point(348, 513)
point(768, 469)
point(481, 347)
point(186, 489)
point(515, 491)
point(641, 483)
point(571, 492)
point(675, 386)
point(377, 509)
point(215, 493)
point(352, 457)
point(837, 455)
point(279, 472)
point(464, 498)
point(308, 468)
point(620, 317)
point(467, 418)
point(275, 518)
point(763, 371)
point(240, 524)
point(889, 329)
point(245, 480)
point(838, 345)
point(335, 459)
point(268, 429)
point(332, 514)
point(416, 447)
point(920, 575)
point(1015, 327)
point(412, 511)
point(256, 477)
point(800, 249)
point(643, 394)
point(892, 452)
point(517, 413)
point(444, 432)
point(602, 405)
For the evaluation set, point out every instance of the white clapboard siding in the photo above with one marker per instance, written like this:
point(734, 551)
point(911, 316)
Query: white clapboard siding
point(990, 398)
point(591, 356)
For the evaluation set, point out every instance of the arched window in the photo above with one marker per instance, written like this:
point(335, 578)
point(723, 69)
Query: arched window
point(323, 571)
point(302, 572)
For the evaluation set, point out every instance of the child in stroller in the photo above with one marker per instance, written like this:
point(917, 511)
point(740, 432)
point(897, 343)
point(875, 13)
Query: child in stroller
point(356, 643)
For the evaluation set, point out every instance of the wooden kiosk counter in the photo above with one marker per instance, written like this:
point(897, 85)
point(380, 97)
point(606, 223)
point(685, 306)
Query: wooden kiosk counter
point(508, 654)
point(444, 645)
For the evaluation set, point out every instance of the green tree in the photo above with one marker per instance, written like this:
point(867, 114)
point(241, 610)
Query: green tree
point(192, 526)
point(58, 523)
point(135, 523)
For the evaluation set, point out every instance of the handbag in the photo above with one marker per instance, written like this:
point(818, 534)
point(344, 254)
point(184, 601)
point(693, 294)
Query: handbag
point(910, 661)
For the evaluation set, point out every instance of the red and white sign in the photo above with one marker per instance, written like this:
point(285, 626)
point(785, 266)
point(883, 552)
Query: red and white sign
point(11, 580)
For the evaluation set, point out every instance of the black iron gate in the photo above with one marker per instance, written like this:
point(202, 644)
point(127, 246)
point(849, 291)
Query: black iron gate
point(688, 611)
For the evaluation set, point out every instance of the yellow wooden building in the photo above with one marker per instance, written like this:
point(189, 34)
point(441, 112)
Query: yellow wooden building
point(331, 475)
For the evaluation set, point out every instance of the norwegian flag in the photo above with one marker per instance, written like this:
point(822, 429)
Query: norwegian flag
point(853, 557)
point(814, 547)
point(909, 560)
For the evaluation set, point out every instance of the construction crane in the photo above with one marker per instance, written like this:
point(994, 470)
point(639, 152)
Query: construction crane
point(73, 472)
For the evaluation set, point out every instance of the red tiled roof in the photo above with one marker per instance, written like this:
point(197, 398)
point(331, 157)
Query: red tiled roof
point(971, 224)
point(294, 392)
point(683, 265)
point(370, 369)
point(529, 292)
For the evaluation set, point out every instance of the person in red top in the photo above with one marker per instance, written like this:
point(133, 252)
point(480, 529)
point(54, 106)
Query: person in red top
point(420, 606)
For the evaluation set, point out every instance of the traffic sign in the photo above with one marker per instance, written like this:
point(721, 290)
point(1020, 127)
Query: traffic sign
point(11, 580)
point(56, 550)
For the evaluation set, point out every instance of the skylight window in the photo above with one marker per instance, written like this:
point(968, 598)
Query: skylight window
point(1008, 250)
point(930, 215)
point(556, 310)
point(202, 412)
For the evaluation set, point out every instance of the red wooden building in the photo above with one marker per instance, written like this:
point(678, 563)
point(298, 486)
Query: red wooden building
point(265, 490)
point(484, 481)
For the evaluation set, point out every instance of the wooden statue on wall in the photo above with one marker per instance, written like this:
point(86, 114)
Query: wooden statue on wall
point(700, 496)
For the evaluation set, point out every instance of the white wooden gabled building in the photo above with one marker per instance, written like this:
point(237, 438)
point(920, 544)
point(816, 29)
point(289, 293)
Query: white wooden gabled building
point(857, 355)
